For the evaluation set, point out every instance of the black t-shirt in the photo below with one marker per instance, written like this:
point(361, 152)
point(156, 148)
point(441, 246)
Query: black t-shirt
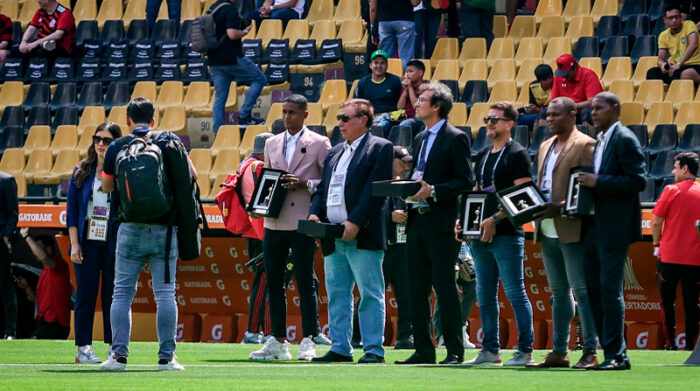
point(513, 164)
point(229, 49)
point(384, 96)
point(391, 10)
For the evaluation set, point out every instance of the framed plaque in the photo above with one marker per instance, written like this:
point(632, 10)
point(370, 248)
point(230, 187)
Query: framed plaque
point(521, 202)
point(400, 188)
point(579, 199)
point(269, 194)
point(320, 230)
point(474, 210)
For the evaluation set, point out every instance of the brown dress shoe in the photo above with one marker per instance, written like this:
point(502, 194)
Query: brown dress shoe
point(588, 360)
point(553, 360)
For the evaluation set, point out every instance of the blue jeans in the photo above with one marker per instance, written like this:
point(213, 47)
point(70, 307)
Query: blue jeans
point(153, 6)
point(402, 31)
point(415, 124)
point(284, 14)
point(427, 24)
point(244, 72)
point(566, 264)
point(138, 244)
point(503, 258)
point(343, 268)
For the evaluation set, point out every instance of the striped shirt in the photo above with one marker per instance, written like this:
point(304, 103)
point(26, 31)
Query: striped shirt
point(5, 28)
point(60, 19)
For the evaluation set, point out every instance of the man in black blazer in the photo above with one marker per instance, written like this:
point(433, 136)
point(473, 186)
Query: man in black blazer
point(9, 215)
point(344, 197)
point(617, 180)
point(441, 154)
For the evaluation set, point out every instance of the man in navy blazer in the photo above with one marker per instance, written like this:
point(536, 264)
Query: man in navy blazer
point(617, 180)
point(344, 197)
point(9, 215)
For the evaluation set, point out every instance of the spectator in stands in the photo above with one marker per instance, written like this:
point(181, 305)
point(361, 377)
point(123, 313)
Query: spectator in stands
point(578, 83)
point(679, 57)
point(410, 93)
point(678, 250)
point(476, 18)
point(344, 196)
point(92, 249)
point(227, 64)
point(153, 7)
point(53, 291)
point(50, 34)
point(427, 21)
point(396, 26)
point(539, 90)
point(301, 154)
point(9, 214)
point(499, 252)
point(284, 10)
point(382, 89)
point(5, 38)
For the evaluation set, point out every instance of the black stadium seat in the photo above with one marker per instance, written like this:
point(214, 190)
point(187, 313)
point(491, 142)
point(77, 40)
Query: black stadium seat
point(86, 30)
point(587, 47)
point(644, 45)
point(63, 70)
point(453, 85)
point(39, 94)
point(37, 70)
point(115, 70)
point(609, 25)
point(632, 8)
point(90, 95)
point(12, 70)
point(165, 30)
point(642, 134)
point(64, 96)
point(142, 50)
point(88, 69)
point(113, 31)
point(141, 70)
point(39, 115)
point(657, 9)
point(663, 164)
point(12, 116)
point(195, 70)
point(480, 142)
point(521, 134)
point(649, 193)
point(318, 129)
point(117, 95)
point(617, 46)
point(138, 30)
point(11, 137)
point(168, 70)
point(67, 115)
point(475, 91)
point(690, 141)
point(540, 134)
point(401, 135)
point(665, 138)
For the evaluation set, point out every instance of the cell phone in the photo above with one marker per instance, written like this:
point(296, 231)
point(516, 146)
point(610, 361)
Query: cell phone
point(245, 22)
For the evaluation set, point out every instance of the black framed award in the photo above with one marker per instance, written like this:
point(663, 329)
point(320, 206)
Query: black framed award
point(395, 188)
point(320, 230)
point(269, 193)
point(475, 208)
point(521, 202)
point(579, 199)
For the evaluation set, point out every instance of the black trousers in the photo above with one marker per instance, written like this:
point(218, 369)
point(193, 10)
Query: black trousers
point(431, 260)
point(276, 246)
point(259, 301)
point(656, 74)
point(395, 269)
point(670, 274)
point(53, 330)
point(7, 291)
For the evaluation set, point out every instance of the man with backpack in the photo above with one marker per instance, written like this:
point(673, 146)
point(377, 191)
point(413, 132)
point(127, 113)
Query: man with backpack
point(153, 182)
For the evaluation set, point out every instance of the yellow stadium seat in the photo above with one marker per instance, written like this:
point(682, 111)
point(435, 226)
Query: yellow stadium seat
point(174, 120)
point(427, 75)
point(246, 146)
point(269, 29)
point(504, 90)
point(502, 70)
point(500, 48)
point(353, 87)
point(330, 119)
point(274, 114)
point(680, 91)
point(38, 164)
point(445, 49)
point(650, 91)
point(145, 89)
point(296, 29)
point(619, 68)
point(458, 114)
point(92, 116)
point(631, 113)
point(190, 10)
point(232, 98)
point(39, 137)
point(351, 31)
point(216, 187)
point(603, 7)
point(323, 29)
point(523, 26)
point(10, 8)
point(347, 10)
point(556, 47)
point(476, 116)
point(201, 160)
point(579, 26)
point(118, 115)
point(624, 89)
point(163, 11)
point(446, 70)
point(640, 71)
point(575, 8)
point(252, 32)
point(688, 113)
point(320, 10)
point(659, 113)
point(27, 12)
point(11, 94)
point(474, 69)
point(62, 168)
point(204, 184)
point(547, 8)
point(135, 9)
point(226, 163)
point(66, 137)
point(334, 91)
point(526, 73)
point(472, 48)
point(395, 67)
point(315, 114)
point(228, 137)
point(552, 26)
point(109, 10)
point(171, 94)
point(198, 95)
point(524, 96)
point(207, 5)
point(592, 63)
point(500, 26)
point(86, 140)
point(530, 47)
point(21, 185)
point(12, 161)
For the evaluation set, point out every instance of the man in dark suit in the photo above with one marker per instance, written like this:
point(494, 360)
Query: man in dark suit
point(444, 172)
point(344, 197)
point(9, 215)
point(617, 180)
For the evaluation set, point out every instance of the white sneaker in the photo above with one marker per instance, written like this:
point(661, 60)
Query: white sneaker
point(519, 359)
point(485, 358)
point(249, 337)
point(86, 355)
point(170, 365)
point(114, 364)
point(465, 339)
point(307, 349)
point(321, 339)
point(272, 350)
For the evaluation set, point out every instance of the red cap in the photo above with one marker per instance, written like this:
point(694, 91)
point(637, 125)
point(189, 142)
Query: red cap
point(564, 64)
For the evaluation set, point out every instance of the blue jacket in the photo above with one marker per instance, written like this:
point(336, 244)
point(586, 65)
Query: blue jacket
point(77, 205)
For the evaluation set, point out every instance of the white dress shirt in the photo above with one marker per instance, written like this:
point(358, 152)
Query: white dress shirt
point(603, 141)
point(339, 213)
point(291, 145)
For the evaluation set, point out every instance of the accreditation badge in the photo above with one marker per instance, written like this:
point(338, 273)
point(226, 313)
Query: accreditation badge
point(400, 233)
point(97, 229)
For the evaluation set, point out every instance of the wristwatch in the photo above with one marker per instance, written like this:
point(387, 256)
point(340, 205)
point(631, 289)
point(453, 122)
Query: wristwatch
point(433, 195)
point(310, 186)
point(272, 7)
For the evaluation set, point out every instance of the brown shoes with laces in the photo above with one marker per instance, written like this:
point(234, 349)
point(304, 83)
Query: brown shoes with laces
point(588, 360)
point(553, 360)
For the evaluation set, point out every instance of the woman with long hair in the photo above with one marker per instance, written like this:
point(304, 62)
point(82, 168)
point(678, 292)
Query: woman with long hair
point(90, 226)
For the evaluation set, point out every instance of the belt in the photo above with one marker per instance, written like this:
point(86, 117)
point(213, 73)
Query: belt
point(422, 210)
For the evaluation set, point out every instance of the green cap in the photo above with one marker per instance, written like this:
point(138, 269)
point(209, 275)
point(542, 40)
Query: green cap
point(379, 52)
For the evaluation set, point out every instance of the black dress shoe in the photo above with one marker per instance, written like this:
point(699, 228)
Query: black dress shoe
point(613, 364)
point(415, 359)
point(406, 343)
point(371, 358)
point(451, 359)
point(332, 356)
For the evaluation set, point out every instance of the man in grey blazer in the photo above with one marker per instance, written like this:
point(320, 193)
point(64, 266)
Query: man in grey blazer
point(301, 153)
point(617, 180)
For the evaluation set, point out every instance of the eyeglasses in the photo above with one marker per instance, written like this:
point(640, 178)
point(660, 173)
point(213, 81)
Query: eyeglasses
point(494, 120)
point(103, 140)
point(346, 118)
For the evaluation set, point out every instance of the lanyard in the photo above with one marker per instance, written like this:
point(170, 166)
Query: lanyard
point(493, 172)
point(140, 131)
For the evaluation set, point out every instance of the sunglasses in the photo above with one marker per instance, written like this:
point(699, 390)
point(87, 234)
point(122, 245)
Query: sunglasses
point(494, 120)
point(346, 118)
point(103, 140)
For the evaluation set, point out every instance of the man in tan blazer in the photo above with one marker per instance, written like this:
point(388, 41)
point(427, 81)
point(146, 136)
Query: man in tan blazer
point(565, 240)
point(301, 153)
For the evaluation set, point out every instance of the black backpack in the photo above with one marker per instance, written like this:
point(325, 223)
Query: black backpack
point(203, 32)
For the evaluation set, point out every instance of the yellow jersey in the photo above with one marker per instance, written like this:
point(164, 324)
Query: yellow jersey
point(676, 44)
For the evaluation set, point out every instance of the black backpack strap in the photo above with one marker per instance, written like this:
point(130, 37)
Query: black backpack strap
point(168, 242)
